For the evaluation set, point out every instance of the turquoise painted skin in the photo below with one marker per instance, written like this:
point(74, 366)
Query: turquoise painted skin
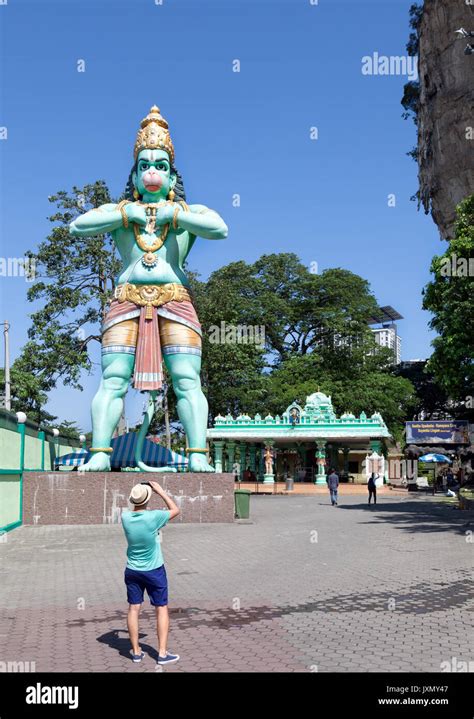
point(117, 368)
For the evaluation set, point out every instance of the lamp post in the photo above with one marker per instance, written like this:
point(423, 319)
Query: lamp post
point(8, 401)
point(82, 439)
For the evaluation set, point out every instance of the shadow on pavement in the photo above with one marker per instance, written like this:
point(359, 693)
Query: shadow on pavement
point(121, 644)
point(423, 598)
point(418, 515)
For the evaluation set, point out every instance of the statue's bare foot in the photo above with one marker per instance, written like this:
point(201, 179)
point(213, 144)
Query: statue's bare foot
point(198, 463)
point(99, 462)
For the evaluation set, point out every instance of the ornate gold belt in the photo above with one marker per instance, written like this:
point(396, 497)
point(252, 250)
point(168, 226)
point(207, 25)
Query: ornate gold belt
point(151, 295)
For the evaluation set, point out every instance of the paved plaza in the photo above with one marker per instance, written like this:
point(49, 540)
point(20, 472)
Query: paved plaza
point(301, 586)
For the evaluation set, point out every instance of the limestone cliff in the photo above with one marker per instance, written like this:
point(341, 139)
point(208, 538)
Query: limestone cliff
point(446, 110)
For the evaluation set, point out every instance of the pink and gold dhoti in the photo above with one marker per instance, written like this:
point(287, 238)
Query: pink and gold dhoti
point(151, 321)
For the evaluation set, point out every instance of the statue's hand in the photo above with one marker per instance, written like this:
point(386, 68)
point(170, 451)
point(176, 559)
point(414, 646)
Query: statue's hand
point(165, 214)
point(137, 214)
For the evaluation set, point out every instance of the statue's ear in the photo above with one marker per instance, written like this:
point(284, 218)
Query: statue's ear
point(134, 178)
point(173, 179)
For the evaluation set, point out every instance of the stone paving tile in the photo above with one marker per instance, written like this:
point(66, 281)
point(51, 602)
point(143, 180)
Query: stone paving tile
point(302, 587)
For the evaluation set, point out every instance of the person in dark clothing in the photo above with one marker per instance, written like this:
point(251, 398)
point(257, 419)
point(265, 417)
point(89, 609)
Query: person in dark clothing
point(333, 485)
point(247, 475)
point(372, 487)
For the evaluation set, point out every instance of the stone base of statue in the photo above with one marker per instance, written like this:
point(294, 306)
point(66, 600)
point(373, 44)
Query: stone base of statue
point(320, 479)
point(100, 497)
point(269, 479)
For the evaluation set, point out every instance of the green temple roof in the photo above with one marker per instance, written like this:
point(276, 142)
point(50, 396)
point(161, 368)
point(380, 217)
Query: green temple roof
point(316, 419)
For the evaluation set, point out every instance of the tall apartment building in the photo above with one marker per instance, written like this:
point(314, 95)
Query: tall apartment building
point(386, 335)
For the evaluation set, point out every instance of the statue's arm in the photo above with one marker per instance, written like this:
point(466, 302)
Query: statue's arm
point(105, 218)
point(202, 221)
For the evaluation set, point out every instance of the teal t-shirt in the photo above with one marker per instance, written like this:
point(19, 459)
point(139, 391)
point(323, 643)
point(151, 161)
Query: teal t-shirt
point(144, 547)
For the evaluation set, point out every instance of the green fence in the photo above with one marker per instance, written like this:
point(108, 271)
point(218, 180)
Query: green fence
point(11, 499)
point(24, 447)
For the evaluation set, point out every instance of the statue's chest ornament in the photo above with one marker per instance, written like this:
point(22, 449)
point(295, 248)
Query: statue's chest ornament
point(150, 242)
point(150, 245)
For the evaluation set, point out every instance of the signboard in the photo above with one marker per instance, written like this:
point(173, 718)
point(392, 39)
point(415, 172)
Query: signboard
point(448, 431)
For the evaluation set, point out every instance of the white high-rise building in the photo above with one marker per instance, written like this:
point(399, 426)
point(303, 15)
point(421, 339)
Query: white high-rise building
point(386, 336)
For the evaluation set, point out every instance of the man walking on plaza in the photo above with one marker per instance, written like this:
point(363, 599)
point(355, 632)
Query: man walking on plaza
point(333, 484)
point(145, 568)
point(372, 487)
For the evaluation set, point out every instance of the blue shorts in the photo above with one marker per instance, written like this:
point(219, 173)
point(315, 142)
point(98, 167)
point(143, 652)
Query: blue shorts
point(154, 581)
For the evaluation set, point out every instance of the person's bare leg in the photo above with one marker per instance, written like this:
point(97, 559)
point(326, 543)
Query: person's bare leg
point(132, 625)
point(162, 629)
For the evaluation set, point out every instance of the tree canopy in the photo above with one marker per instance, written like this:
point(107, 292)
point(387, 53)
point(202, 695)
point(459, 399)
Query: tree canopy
point(74, 281)
point(316, 333)
point(449, 297)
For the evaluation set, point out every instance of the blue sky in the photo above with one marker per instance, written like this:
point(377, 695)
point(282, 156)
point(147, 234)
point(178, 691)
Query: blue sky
point(246, 133)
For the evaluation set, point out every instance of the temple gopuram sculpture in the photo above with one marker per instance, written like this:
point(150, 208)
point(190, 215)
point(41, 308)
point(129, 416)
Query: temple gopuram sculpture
point(152, 317)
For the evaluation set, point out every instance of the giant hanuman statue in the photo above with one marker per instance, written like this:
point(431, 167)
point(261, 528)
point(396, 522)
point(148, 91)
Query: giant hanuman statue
point(152, 317)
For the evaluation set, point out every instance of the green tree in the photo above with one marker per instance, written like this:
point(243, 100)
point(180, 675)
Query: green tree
point(431, 399)
point(74, 280)
point(316, 333)
point(449, 298)
point(304, 311)
point(231, 370)
point(28, 391)
point(69, 430)
point(411, 90)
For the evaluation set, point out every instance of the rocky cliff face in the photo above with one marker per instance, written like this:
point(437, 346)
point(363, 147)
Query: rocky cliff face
point(446, 110)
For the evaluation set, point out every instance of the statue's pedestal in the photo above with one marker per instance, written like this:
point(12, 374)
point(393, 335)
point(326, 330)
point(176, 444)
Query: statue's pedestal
point(269, 479)
point(320, 479)
point(100, 497)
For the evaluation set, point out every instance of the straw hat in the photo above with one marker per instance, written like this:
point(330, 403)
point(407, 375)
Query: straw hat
point(140, 494)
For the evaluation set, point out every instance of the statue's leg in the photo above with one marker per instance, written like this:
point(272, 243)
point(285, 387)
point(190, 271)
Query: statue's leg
point(107, 406)
point(192, 404)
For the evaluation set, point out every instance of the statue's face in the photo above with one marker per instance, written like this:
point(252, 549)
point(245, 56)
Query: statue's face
point(153, 174)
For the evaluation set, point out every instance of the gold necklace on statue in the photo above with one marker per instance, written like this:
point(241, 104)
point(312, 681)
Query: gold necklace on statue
point(150, 260)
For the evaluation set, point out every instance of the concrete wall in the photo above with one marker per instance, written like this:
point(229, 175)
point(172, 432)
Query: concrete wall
point(99, 498)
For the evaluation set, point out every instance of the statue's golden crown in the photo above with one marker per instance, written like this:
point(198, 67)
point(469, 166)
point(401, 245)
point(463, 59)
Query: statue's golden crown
point(153, 134)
